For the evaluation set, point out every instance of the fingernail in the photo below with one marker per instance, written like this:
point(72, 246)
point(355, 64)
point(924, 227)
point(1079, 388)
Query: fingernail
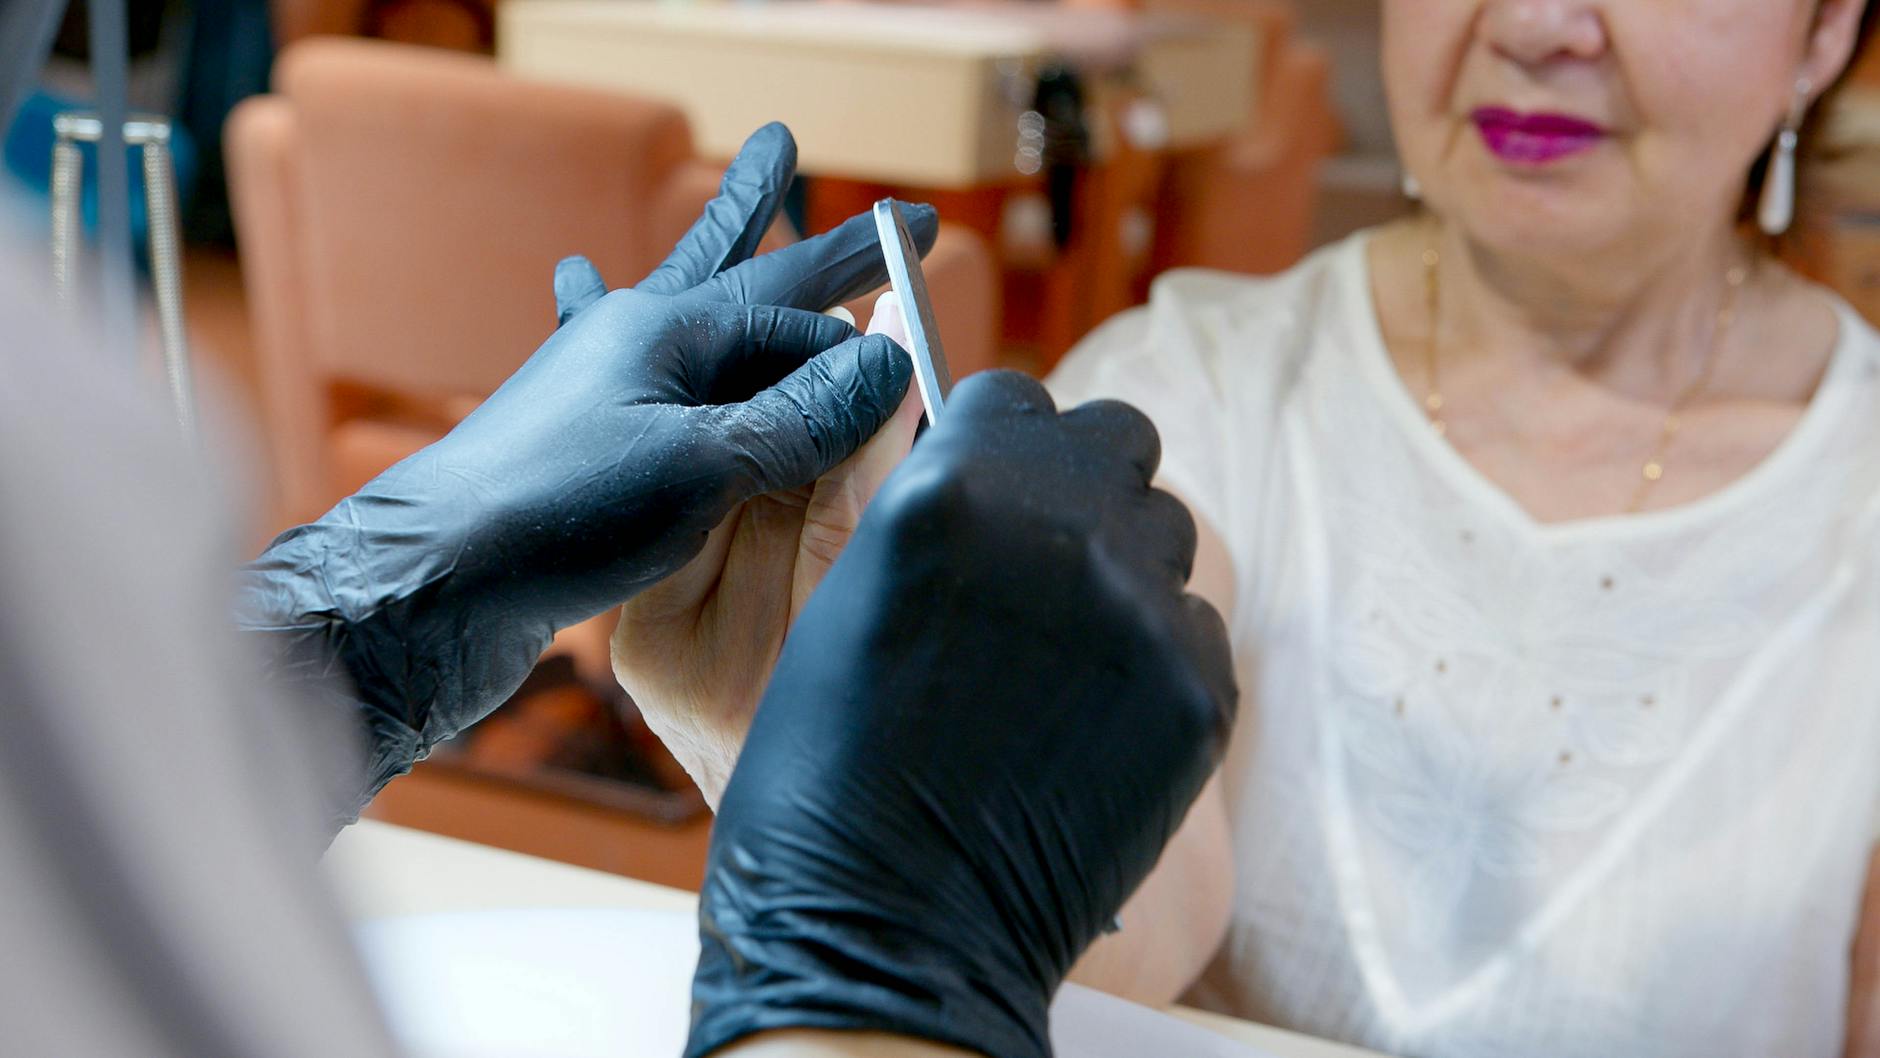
point(885, 317)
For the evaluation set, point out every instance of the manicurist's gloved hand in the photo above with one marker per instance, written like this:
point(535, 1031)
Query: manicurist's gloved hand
point(596, 470)
point(983, 728)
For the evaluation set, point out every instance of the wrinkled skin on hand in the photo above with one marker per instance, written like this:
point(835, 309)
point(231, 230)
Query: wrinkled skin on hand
point(596, 470)
point(695, 651)
point(983, 728)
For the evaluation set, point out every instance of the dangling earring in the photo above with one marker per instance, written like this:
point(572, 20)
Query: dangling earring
point(1412, 190)
point(1776, 211)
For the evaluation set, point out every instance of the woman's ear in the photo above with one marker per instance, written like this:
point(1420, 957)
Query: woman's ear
point(1831, 41)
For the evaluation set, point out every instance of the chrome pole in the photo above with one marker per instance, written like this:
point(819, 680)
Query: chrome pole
point(67, 174)
point(151, 135)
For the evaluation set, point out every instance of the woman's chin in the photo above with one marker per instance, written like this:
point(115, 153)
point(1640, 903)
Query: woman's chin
point(1526, 216)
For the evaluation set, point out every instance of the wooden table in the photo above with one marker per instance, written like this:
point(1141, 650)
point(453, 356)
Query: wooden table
point(383, 870)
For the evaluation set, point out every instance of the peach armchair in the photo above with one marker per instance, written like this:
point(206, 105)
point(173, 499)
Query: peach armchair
point(399, 212)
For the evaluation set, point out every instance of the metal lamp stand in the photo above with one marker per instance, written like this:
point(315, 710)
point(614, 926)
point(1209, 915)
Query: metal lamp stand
point(152, 135)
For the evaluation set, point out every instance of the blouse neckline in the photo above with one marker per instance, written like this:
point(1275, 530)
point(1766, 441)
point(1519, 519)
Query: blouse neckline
point(1796, 448)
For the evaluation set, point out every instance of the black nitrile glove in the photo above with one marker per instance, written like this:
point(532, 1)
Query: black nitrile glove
point(593, 472)
point(984, 727)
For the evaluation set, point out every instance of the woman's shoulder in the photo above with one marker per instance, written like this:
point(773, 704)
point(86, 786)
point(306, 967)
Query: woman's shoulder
point(1224, 329)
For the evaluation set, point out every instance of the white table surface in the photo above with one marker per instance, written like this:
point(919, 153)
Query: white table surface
point(382, 870)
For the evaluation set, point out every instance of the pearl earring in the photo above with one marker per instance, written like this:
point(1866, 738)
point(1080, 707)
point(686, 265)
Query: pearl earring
point(1412, 190)
point(1776, 211)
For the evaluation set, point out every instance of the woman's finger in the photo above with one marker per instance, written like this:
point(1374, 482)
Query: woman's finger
point(840, 496)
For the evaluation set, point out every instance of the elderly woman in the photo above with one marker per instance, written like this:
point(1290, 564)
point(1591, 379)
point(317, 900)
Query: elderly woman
point(1547, 521)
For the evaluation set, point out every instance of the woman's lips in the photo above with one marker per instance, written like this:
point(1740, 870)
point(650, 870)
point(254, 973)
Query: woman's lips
point(1534, 139)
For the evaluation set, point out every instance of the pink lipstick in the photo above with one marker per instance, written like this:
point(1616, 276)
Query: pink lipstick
point(1534, 139)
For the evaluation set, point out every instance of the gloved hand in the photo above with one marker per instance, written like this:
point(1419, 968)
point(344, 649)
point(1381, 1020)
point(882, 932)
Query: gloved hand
point(983, 728)
point(696, 650)
point(594, 471)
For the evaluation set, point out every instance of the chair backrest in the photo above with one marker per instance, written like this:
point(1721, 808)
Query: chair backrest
point(400, 212)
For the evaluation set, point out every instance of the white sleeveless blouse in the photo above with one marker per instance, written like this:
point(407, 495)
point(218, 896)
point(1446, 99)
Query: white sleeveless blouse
point(1499, 787)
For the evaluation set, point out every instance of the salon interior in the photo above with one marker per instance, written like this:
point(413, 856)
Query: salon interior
point(346, 215)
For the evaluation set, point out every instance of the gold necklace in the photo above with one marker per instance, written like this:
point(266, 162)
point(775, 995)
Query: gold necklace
point(1654, 466)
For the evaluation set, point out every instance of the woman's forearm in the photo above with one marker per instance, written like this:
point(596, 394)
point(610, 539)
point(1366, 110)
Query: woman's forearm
point(1178, 918)
point(1863, 995)
point(1176, 921)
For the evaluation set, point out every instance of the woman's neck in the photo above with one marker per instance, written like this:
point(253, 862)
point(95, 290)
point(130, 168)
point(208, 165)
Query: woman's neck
point(1642, 325)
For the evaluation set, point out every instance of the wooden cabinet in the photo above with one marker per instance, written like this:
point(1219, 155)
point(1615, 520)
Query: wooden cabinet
point(462, 802)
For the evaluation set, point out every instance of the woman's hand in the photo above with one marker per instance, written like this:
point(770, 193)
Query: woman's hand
point(695, 651)
point(1863, 994)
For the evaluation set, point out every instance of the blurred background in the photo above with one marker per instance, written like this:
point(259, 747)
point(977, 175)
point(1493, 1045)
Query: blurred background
point(372, 195)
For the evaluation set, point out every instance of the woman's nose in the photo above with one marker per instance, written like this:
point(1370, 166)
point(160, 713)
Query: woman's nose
point(1533, 32)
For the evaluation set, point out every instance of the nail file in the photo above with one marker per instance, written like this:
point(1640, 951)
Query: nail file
point(910, 288)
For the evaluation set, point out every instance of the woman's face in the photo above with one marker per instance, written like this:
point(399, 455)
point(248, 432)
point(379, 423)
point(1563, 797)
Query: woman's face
point(1579, 127)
